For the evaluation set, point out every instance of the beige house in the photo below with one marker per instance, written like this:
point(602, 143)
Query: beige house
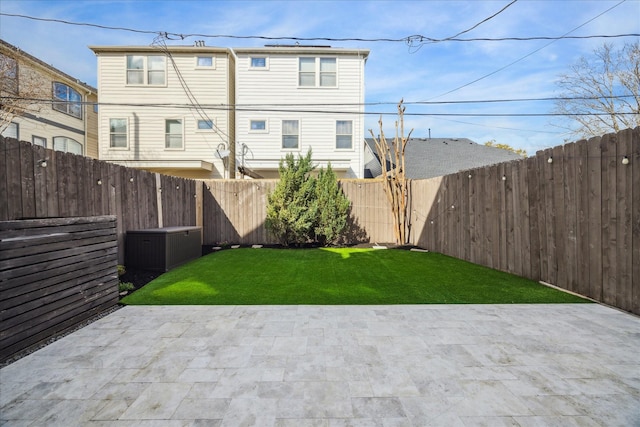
point(291, 99)
point(167, 109)
point(46, 106)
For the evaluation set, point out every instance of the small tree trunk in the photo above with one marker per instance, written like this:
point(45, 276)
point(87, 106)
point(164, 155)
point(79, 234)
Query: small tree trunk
point(393, 173)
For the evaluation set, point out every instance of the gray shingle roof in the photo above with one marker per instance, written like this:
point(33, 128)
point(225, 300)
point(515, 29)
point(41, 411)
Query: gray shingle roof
point(431, 157)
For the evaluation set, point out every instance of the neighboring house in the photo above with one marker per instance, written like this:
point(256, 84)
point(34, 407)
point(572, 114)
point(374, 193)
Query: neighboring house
point(290, 99)
point(167, 109)
point(45, 106)
point(432, 157)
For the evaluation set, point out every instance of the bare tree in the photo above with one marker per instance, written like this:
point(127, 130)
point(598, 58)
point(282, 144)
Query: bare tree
point(23, 90)
point(602, 92)
point(391, 154)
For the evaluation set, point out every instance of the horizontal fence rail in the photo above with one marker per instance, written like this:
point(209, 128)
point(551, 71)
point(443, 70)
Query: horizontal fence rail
point(54, 274)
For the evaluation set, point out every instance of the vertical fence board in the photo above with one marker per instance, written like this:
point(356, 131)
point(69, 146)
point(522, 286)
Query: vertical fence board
point(634, 163)
point(594, 153)
point(14, 188)
point(582, 221)
point(624, 291)
point(27, 180)
point(559, 232)
point(51, 173)
point(40, 182)
point(508, 225)
point(609, 219)
point(534, 202)
point(570, 217)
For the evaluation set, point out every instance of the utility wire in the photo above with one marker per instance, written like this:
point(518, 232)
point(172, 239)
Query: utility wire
point(412, 40)
point(228, 107)
point(527, 55)
point(481, 22)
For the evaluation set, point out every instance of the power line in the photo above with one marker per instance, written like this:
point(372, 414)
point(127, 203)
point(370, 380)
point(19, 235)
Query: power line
point(481, 22)
point(229, 107)
point(412, 40)
point(527, 55)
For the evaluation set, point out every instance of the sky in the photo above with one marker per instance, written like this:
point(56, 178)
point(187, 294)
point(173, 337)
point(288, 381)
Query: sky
point(437, 72)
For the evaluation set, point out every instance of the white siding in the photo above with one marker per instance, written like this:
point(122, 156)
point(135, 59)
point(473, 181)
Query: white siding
point(147, 108)
point(276, 88)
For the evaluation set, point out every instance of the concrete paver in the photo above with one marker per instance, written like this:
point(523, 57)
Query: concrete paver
point(404, 365)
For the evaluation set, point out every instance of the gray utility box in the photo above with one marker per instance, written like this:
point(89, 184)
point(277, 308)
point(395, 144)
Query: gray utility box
point(161, 249)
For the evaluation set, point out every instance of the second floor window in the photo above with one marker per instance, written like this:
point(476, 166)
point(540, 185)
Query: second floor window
point(205, 124)
point(70, 100)
point(290, 134)
point(9, 72)
point(146, 70)
point(118, 133)
point(173, 133)
point(204, 61)
point(317, 72)
point(257, 125)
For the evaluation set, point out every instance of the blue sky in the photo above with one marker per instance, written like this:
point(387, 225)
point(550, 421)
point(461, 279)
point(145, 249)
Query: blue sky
point(394, 70)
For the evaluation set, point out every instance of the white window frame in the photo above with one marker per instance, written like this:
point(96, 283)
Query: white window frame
point(208, 129)
point(297, 148)
point(145, 70)
point(206, 67)
point(266, 126)
point(317, 72)
point(64, 140)
point(125, 133)
point(167, 135)
point(344, 134)
point(253, 67)
point(39, 140)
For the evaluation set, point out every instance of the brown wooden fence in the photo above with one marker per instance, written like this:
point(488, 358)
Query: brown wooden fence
point(569, 216)
point(574, 222)
point(54, 274)
point(40, 183)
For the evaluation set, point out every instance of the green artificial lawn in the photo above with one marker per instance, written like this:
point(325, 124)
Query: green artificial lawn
point(249, 276)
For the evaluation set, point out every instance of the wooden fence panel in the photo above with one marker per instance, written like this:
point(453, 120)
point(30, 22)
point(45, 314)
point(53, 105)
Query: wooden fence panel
point(54, 274)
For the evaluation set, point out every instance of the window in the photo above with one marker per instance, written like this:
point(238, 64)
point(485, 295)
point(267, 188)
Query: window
point(258, 126)
point(205, 124)
point(9, 67)
point(68, 145)
point(118, 133)
point(328, 72)
point(290, 134)
point(38, 140)
point(71, 100)
point(313, 72)
point(11, 131)
point(344, 134)
point(205, 61)
point(258, 62)
point(146, 70)
point(173, 133)
point(307, 72)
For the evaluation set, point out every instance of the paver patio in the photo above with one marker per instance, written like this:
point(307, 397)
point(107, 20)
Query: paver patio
point(400, 365)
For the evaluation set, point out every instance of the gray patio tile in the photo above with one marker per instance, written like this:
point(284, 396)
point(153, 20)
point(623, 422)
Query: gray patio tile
point(250, 412)
point(557, 421)
point(490, 398)
point(326, 365)
point(490, 422)
point(301, 422)
point(377, 407)
point(202, 409)
point(157, 402)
